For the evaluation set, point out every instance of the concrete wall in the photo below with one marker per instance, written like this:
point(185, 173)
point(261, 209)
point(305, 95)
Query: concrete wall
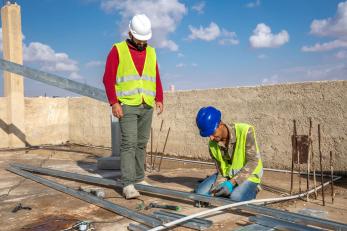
point(89, 122)
point(47, 120)
point(3, 123)
point(270, 109)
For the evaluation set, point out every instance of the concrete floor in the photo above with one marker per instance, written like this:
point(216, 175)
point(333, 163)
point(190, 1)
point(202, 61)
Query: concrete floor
point(53, 210)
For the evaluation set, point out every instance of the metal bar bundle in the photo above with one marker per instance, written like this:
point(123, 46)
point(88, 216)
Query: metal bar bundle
point(125, 212)
point(280, 224)
point(293, 217)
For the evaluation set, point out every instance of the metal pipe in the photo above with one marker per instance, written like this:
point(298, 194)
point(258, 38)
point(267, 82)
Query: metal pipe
point(201, 221)
point(294, 217)
point(320, 161)
point(227, 206)
point(162, 154)
point(125, 212)
point(332, 176)
point(190, 224)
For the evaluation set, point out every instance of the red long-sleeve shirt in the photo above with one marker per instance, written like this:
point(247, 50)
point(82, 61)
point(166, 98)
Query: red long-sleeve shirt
point(111, 67)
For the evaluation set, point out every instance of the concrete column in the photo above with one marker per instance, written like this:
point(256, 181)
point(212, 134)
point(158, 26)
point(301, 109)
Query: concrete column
point(13, 84)
point(112, 162)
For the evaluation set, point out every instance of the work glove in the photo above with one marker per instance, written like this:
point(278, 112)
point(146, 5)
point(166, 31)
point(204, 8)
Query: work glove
point(224, 189)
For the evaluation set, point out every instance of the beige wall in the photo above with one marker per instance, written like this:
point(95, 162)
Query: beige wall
point(3, 123)
point(47, 120)
point(270, 109)
point(89, 122)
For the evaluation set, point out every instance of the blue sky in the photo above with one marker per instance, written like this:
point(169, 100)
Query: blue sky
point(200, 44)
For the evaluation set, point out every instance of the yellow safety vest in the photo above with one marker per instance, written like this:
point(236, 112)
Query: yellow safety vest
point(239, 155)
point(131, 88)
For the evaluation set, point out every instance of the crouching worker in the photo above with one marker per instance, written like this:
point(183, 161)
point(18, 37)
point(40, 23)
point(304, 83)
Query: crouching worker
point(234, 149)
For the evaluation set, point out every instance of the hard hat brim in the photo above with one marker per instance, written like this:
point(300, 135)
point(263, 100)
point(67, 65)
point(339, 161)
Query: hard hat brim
point(209, 132)
point(141, 37)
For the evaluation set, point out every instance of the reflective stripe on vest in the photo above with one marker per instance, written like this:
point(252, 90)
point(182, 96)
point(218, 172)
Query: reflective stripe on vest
point(239, 155)
point(131, 88)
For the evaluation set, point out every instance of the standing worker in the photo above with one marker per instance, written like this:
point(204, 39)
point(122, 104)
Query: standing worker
point(234, 149)
point(133, 88)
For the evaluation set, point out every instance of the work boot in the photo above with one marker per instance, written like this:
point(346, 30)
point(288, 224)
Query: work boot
point(143, 182)
point(129, 192)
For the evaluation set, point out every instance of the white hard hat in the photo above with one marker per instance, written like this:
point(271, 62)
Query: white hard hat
point(140, 27)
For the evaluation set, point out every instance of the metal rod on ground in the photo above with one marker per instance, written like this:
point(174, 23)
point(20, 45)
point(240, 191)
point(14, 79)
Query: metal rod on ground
point(320, 162)
point(162, 154)
point(293, 217)
point(332, 176)
point(209, 211)
point(293, 153)
point(279, 224)
point(308, 160)
point(125, 212)
point(156, 148)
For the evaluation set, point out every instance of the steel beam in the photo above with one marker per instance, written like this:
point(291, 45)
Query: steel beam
point(197, 223)
point(125, 212)
point(289, 216)
point(280, 224)
point(53, 80)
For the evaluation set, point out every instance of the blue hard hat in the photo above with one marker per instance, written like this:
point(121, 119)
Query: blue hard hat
point(207, 120)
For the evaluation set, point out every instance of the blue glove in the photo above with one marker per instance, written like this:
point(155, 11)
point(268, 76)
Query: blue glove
point(224, 189)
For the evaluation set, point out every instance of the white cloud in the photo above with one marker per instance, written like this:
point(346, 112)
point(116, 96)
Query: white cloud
point(199, 7)
point(229, 38)
point(207, 34)
point(253, 4)
point(332, 27)
point(325, 46)
point(180, 65)
point(271, 80)
point(341, 55)
point(94, 63)
point(164, 16)
point(262, 56)
point(75, 76)
point(336, 26)
point(44, 56)
point(311, 73)
point(194, 64)
point(180, 55)
point(263, 38)
point(48, 59)
point(213, 32)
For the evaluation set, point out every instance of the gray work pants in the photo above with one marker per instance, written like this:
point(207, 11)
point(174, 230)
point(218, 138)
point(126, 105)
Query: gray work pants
point(135, 126)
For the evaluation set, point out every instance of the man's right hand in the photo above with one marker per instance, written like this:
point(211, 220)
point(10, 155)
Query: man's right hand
point(117, 110)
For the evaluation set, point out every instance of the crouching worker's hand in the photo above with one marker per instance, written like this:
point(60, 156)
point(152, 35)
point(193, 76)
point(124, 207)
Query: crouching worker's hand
point(224, 189)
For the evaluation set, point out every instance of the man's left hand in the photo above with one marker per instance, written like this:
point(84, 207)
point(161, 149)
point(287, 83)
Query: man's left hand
point(224, 189)
point(159, 107)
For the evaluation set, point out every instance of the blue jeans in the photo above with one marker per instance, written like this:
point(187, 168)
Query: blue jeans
point(243, 192)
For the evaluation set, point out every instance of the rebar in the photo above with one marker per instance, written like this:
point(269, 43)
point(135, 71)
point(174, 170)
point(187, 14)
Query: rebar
point(162, 154)
point(320, 162)
point(332, 176)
